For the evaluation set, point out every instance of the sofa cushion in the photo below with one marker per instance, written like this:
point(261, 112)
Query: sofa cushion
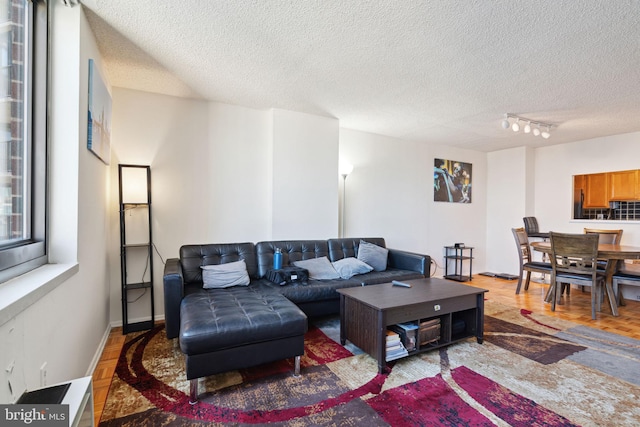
point(348, 246)
point(374, 255)
point(292, 250)
point(225, 275)
point(215, 319)
point(319, 268)
point(192, 257)
point(349, 267)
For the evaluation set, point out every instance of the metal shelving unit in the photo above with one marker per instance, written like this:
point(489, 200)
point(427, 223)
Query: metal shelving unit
point(456, 255)
point(135, 196)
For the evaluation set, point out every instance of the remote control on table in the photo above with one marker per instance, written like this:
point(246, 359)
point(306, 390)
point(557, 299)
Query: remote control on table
point(402, 284)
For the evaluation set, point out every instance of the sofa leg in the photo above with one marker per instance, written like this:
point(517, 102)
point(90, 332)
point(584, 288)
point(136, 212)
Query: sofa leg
point(296, 371)
point(193, 389)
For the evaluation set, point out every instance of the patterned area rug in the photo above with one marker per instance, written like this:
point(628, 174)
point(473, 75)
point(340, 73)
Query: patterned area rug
point(531, 370)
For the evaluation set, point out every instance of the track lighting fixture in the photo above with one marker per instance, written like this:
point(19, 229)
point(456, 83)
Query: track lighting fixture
point(531, 126)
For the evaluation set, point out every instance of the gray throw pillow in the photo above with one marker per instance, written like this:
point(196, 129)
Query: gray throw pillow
point(349, 267)
point(319, 268)
point(374, 255)
point(225, 275)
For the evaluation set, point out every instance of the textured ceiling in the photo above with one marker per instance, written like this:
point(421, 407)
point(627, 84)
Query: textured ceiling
point(432, 71)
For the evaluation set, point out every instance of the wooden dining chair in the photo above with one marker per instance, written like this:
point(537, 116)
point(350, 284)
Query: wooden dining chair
point(610, 237)
point(526, 262)
point(573, 260)
point(629, 274)
point(532, 229)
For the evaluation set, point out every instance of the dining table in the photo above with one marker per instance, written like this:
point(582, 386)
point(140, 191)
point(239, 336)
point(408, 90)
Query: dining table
point(614, 256)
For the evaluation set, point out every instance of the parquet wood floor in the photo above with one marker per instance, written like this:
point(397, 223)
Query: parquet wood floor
point(576, 308)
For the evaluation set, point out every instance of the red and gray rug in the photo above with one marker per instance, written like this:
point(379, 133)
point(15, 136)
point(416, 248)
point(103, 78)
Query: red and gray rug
point(531, 370)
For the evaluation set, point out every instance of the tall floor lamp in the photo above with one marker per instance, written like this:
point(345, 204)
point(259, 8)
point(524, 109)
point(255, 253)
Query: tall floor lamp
point(345, 170)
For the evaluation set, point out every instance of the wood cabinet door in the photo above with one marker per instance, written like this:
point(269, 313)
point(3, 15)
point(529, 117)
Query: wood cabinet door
point(623, 185)
point(597, 190)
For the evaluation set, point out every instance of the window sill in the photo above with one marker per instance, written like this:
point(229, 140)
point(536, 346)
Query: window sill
point(18, 294)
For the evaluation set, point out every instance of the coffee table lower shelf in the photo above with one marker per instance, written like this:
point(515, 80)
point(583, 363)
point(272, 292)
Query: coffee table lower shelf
point(366, 312)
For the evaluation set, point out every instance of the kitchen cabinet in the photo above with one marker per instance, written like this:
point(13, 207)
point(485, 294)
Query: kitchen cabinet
point(623, 185)
point(596, 191)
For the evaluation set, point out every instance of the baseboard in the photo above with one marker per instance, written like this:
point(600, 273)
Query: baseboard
point(103, 343)
point(98, 354)
point(118, 323)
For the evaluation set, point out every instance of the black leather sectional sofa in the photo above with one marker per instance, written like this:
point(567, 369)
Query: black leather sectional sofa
point(242, 326)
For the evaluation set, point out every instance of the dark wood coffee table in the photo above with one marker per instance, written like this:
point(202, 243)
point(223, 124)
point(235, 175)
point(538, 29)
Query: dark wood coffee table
point(365, 313)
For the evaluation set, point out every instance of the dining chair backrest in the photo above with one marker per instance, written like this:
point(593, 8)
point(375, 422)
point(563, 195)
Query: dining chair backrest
point(522, 242)
point(611, 237)
point(532, 229)
point(531, 224)
point(574, 253)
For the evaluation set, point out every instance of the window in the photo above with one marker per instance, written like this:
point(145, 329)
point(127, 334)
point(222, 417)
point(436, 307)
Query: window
point(23, 76)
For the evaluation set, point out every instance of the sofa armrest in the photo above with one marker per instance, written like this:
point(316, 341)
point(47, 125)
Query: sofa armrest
point(173, 294)
point(410, 261)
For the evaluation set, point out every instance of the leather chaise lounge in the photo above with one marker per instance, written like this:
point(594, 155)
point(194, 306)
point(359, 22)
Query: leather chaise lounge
point(242, 326)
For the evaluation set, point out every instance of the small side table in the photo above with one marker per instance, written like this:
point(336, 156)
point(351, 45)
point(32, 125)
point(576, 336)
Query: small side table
point(78, 395)
point(457, 256)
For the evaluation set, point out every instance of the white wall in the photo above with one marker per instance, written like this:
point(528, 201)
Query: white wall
point(64, 329)
point(305, 167)
point(241, 163)
point(509, 197)
point(390, 194)
point(388, 190)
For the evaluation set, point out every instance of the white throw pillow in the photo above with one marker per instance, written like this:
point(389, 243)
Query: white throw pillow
point(319, 268)
point(349, 267)
point(374, 255)
point(225, 275)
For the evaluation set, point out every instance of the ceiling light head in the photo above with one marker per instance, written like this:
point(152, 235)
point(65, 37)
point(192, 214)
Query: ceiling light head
point(527, 127)
point(536, 131)
point(546, 134)
point(505, 123)
point(516, 125)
